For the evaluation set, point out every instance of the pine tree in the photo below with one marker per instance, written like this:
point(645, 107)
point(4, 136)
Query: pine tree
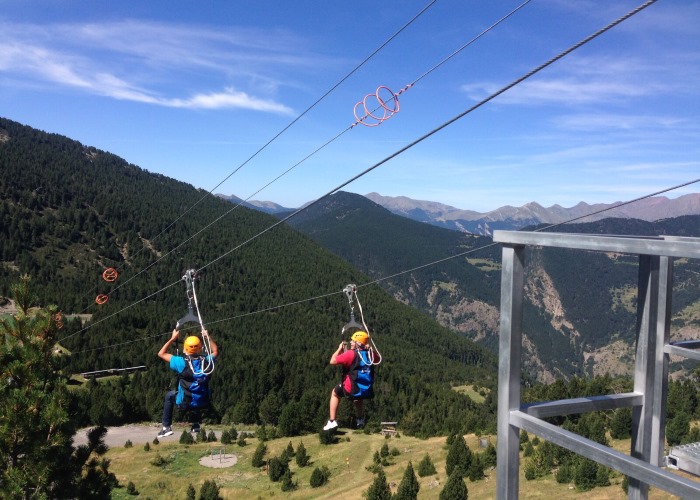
point(426, 467)
point(186, 438)
point(455, 488)
point(319, 477)
point(209, 491)
point(191, 493)
point(458, 456)
point(379, 489)
point(301, 457)
point(225, 437)
point(35, 446)
point(585, 472)
point(257, 460)
point(287, 483)
point(409, 486)
point(276, 467)
point(488, 458)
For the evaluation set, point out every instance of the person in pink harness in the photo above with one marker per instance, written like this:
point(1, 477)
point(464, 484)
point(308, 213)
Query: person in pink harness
point(358, 374)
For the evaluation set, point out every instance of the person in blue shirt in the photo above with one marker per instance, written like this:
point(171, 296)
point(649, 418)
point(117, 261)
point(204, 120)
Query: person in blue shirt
point(193, 374)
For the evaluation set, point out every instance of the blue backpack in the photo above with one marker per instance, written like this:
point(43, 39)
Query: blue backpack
point(193, 385)
point(362, 376)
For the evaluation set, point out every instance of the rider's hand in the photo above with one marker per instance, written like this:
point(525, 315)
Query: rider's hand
point(176, 334)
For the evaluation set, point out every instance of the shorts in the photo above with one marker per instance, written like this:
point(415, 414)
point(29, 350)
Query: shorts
point(339, 391)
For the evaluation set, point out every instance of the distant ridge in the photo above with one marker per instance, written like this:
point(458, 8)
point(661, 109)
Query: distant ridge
point(508, 217)
point(264, 206)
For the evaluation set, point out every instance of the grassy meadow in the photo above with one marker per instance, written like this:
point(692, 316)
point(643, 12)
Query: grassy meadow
point(347, 461)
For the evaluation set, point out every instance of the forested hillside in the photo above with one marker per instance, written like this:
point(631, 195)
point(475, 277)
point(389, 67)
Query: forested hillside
point(69, 211)
point(579, 316)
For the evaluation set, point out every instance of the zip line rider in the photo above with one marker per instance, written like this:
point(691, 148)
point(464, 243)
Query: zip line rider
point(358, 374)
point(192, 392)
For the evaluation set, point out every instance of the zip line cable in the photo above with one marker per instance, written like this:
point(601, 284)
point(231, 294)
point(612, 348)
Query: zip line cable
point(406, 271)
point(284, 173)
point(649, 2)
point(443, 61)
point(408, 146)
point(317, 149)
point(307, 110)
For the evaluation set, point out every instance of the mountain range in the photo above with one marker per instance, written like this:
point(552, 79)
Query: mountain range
point(580, 306)
point(513, 218)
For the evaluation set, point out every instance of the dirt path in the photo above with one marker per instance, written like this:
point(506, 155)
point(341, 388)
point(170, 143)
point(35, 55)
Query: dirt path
point(146, 433)
point(136, 433)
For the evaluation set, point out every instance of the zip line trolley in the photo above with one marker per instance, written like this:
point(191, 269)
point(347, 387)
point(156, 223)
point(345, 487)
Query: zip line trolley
point(190, 277)
point(353, 326)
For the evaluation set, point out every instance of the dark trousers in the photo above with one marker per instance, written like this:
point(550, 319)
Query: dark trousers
point(169, 407)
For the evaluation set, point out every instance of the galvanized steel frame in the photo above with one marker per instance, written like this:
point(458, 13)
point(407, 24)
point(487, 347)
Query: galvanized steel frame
point(653, 346)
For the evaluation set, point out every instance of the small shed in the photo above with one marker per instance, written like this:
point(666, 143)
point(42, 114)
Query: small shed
point(389, 428)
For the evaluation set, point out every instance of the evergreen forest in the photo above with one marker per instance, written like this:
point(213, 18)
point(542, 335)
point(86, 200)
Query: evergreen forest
point(275, 305)
point(596, 292)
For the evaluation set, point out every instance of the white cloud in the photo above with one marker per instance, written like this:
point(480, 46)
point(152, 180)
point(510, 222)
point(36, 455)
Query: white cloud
point(142, 62)
point(605, 79)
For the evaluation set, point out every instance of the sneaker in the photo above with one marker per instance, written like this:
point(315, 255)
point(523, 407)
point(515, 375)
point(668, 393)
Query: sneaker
point(195, 428)
point(165, 431)
point(330, 425)
point(360, 422)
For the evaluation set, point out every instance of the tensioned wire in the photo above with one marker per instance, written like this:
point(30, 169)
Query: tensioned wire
point(318, 149)
point(400, 273)
point(264, 146)
point(415, 142)
point(444, 60)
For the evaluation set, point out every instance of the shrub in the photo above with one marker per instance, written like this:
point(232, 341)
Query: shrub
point(276, 467)
point(155, 441)
point(211, 437)
point(128, 444)
point(225, 437)
point(209, 491)
point(159, 461)
point(191, 493)
point(241, 441)
point(319, 477)
point(186, 438)
point(426, 467)
point(287, 483)
point(301, 457)
point(146, 447)
point(260, 451)
point(327, 437)
point(131, 489)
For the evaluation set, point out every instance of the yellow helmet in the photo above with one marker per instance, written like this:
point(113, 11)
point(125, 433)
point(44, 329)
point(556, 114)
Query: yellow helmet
point(360, 337)
point(192, 345)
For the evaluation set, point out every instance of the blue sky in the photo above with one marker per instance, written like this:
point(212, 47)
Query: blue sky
point(192, 90)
